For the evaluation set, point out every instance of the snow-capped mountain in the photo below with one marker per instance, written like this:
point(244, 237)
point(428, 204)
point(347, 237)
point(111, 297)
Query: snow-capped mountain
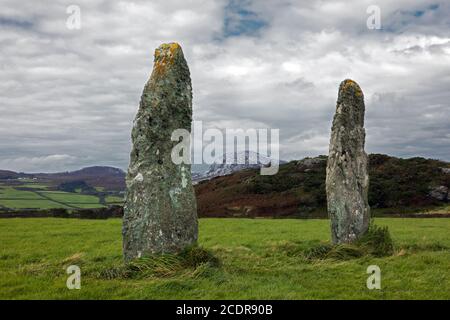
point(242, 160)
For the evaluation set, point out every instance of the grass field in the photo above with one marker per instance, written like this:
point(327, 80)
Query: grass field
point(31, 204)
point(114, 200)
point(35, 186)
point(259, 259)
point(70, 198)
point(12, 193)
point(38, 197)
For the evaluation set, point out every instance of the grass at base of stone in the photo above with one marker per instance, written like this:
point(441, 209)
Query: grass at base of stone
point(191, 262)
point(259, 259)
point(377, 242)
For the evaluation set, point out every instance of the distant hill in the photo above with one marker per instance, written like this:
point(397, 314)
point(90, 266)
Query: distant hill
point(98, 171)
point(299, 188)
point(108, 177)
point(6, 174)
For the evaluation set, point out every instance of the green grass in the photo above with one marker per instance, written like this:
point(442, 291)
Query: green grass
point(35, 186)
point(18, 199)
point(259, 259)
point(86, 205)
point(31, 204)
point(72, 198)
point(114, 199)
point(11, 193)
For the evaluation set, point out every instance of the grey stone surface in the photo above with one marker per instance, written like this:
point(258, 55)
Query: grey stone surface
point(439, 193)
point(160, 212)
point(347, 180)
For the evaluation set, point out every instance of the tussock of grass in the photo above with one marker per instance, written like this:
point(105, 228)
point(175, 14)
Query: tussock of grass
point(318, 252)
point(193, 261)
point(337, 252)
point(376, 242)
point(74, 259)
point(36, 269)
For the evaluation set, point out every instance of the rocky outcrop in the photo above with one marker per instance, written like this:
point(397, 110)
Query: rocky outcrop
point(241, 161)
point(309, 163)
point(440, 193)
point(347, 179)
point(160, 214)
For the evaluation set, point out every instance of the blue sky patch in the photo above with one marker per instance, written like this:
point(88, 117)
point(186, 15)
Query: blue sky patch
point(419, 13)
point(240, 20)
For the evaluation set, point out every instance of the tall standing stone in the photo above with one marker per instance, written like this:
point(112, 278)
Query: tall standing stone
point(347, 179)
point(160, 213)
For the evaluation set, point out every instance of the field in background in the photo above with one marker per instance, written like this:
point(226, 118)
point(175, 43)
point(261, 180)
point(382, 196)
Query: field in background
point(29, 194)
point(20, 195)
point(257, 261)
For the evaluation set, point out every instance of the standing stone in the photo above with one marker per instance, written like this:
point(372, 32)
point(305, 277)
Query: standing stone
point(160, 212)
point(347, 179)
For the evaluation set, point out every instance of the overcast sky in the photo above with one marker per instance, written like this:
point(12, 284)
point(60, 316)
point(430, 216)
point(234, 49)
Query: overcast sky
point(68, 97)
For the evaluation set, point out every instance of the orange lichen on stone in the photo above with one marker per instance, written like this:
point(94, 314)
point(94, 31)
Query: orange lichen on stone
point(348, 83)
point(164, 56)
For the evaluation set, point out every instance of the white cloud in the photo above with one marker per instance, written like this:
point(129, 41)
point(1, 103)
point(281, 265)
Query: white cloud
point(54, 163)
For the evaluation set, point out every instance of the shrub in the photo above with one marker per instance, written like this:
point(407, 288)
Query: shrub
point(318, 252)
point(195, 256)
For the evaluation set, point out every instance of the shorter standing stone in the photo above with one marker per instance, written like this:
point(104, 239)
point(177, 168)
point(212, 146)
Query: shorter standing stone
point(347, 180)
